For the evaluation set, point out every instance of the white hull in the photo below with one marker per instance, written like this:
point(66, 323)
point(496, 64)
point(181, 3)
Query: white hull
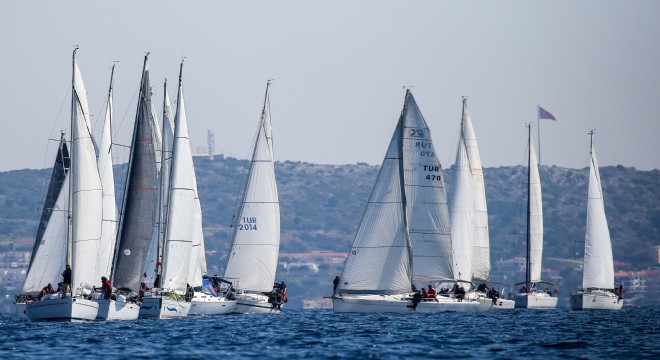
point(68, 309)
point(163, 308)
point(399, 304)
point(204, 304)
point(119, 309)
point(253, 304)
point(20, 309)
point(537, 300)
point(595, 300)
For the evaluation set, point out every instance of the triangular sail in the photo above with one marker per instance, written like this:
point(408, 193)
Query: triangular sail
point(49, 253)
point(110, 222)
point(156, 245)
point(380, 259)
point(598, 262)
point(180, 215)
point(139, 204)
point(256, 238)
point(535, 235)
point(462, 216)
point(426, 199)
point(86, 192)
point(481, 248)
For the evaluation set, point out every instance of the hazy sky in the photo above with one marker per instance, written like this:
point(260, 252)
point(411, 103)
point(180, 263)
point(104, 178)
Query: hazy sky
point(338, 70)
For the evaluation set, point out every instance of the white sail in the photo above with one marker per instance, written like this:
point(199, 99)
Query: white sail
point(598, 263)
point(380, 259)
point(426, 199)
point(50, 258)
point(110, 221)
point(180, 215)
point(163, 186)
point(86, 192)
point(198, 256)
point(256, 238)
point(535, 216)
point(481, 246)
point(462, 216)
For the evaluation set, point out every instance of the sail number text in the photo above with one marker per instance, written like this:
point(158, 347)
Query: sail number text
point(433, 169)
point(425, 145)
point(248, 223)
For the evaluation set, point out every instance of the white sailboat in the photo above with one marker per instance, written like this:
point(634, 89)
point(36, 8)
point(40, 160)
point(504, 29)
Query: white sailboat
point(530, 296)
point(86, 215)
point(255, 243)
point(50, 246)
point(597, 291)
point(469, 220)
point(170, 300)
point(404, 236)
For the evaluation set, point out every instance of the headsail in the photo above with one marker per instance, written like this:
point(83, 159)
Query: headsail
point(139, 204)
point(255, 241)
point(598, 261)
point(535, 220)
point(110, 222)
point(180, 215)
point(50, 246)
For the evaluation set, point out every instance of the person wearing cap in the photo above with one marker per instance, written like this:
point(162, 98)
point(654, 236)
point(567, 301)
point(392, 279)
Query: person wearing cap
point(106, 287)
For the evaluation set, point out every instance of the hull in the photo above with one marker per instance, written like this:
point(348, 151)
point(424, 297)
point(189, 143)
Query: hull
point(595, 300)
point(163, 308)
point(20, 309)
point(67, 309)
point(487, 304)
point(400, 304)
point(535, 300)
point(118, 309)
point(204, 304)
point(253, 304)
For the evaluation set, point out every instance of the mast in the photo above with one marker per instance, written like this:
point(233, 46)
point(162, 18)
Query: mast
point(402, 184)
point(528, 277)
point(69, 249)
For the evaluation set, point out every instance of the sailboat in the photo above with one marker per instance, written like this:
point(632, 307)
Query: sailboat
point(255, 242)
point(597, 291)
point(404, 236)
point(469, 220)
point(530, 296)
point(49, 251)
point(137, 214)
point(172, 299)
point(85, 201)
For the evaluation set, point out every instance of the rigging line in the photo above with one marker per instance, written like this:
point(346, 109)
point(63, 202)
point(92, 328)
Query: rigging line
point(130, 105)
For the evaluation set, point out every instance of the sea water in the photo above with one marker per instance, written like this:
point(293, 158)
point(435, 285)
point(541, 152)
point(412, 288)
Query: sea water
point(317, 334)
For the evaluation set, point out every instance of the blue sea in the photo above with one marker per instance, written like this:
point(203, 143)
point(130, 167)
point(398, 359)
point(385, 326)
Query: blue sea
point(321, 334)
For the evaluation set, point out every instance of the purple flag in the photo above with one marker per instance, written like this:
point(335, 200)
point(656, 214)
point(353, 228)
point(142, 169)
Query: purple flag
point(545, 114)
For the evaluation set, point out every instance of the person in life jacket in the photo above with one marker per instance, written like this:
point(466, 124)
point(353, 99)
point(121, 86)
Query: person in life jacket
point(48, 289)
point(432, 294)
point(106, 287)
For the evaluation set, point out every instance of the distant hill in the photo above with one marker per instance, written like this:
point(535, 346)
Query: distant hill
point(321, 207)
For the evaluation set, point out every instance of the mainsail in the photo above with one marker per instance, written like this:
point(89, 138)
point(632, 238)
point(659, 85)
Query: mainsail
point(535, 216)
point(110, 222)
point(50, 246)
point(598, 263)
point(255, 241)
point(426, 199)
point(481, 245)
point(181, 203)
point(86, 191)
point(139, 204)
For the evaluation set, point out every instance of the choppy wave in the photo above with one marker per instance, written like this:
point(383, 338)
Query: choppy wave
point(560, 333)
